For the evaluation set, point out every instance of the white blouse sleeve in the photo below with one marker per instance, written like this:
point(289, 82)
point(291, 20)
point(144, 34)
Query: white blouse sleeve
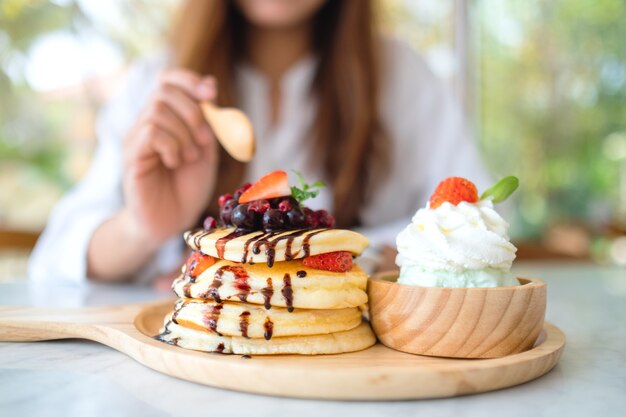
point(61, 252)
point(429, 141)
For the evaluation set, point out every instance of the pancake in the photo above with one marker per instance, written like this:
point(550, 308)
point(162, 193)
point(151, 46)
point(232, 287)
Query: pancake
point(287, 284)
point(248, 320)
point(260, 247)
point(358, 338)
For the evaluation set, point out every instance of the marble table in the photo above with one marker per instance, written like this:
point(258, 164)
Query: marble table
point(81, 378)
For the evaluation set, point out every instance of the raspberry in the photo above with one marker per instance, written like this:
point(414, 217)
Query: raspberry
point(223, 199)
point(310, 219)
point(333, 261)
point(210, 223)
point(454, 190)
point(259, 206)
point(285, 205)
point(325, 219)
point(241, 190)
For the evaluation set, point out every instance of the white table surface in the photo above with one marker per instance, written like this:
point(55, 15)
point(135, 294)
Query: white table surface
point(81, 378)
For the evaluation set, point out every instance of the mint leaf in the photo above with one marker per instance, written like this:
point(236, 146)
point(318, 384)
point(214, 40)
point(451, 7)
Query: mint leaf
point(501, 190)
point(305, 191)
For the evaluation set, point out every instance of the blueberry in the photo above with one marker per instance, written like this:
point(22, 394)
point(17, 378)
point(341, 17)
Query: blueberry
point(273, 220)
point(227, 210)
point(243, 218)
point(295, 218)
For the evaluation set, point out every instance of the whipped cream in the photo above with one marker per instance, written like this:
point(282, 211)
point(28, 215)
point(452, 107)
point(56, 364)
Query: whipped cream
point(466, 245)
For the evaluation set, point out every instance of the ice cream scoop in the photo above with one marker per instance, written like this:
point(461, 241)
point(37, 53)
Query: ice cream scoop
point(458, 240)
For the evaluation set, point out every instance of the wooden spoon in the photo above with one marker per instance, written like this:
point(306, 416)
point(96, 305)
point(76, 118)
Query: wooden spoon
point(232, 129)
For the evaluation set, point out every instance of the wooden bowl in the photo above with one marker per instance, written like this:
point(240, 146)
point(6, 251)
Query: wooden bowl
point(456, 322)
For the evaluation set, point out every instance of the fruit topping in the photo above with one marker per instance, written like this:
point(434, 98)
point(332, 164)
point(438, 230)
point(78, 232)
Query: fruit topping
point(272, 206)
point(209, 223)
point(259, 206)
point(295, 217)
point(333, 261)
point(274, 184)
point(324, 219)
point(197, 263)
point(227, 210)
point(223, 199)
point(285, 205)
point(241, 190)
point(273, 220)
point(454, 190)
point(243, 218)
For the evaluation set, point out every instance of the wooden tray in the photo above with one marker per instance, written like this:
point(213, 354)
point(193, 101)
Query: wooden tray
point(378, 373)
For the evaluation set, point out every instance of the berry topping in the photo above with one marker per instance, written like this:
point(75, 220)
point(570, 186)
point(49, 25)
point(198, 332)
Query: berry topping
point(310, 219)
point(241, 190)
point(259, 206)
point(454, 190)
point(285, 205)
point(324, 219)
point(296, 218)
point(197, 263)
point(243, 218)
point(209, 223)
point(333, 261)
point(273, 220)
point(274, 184)
point(223, 199)
point(227, 210)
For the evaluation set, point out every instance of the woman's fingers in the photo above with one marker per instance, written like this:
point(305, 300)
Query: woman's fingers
point(172, 127)
point(160, 114)
point(153, 139)
point(200, 88)
point(187, 110)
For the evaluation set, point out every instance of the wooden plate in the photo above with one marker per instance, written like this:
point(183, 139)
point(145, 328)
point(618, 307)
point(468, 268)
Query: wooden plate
point(378, 373)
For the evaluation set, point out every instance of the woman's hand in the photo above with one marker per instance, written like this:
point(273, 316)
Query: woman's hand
point(170, 159)
point(170, 165)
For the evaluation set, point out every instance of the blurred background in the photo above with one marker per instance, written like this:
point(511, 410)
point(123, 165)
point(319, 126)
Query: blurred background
point(543, 84)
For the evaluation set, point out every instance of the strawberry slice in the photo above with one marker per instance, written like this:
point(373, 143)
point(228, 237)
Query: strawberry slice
point(333, 261)
point(274, 184)
point(197, 263)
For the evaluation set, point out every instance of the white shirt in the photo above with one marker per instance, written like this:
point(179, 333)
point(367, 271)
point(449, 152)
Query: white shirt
point(423, 121)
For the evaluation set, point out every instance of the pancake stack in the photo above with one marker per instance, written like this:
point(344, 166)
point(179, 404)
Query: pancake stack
point(252, 293)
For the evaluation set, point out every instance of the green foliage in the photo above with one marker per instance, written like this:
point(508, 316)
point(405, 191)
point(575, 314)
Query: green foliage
point(305, 191)
point(501, 190)
point(553, 87)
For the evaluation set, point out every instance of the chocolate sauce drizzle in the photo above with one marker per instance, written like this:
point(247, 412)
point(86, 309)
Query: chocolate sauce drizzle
point(220, 348)
point(212, 317)
point(220, 245)
point(268, 292)
point(244, 319)
point(287, 292)
point(261, 240)
point(198, 234)
point(175, 315)
point(187, 288)
point(269, 328)
point(214, 289)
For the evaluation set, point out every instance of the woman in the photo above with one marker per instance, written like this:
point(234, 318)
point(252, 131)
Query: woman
point(327, 97)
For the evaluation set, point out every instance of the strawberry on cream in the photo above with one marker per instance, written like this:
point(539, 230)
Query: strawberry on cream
point(463, 245)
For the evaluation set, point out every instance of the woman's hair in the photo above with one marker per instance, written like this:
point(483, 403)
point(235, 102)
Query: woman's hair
point(348, 137)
